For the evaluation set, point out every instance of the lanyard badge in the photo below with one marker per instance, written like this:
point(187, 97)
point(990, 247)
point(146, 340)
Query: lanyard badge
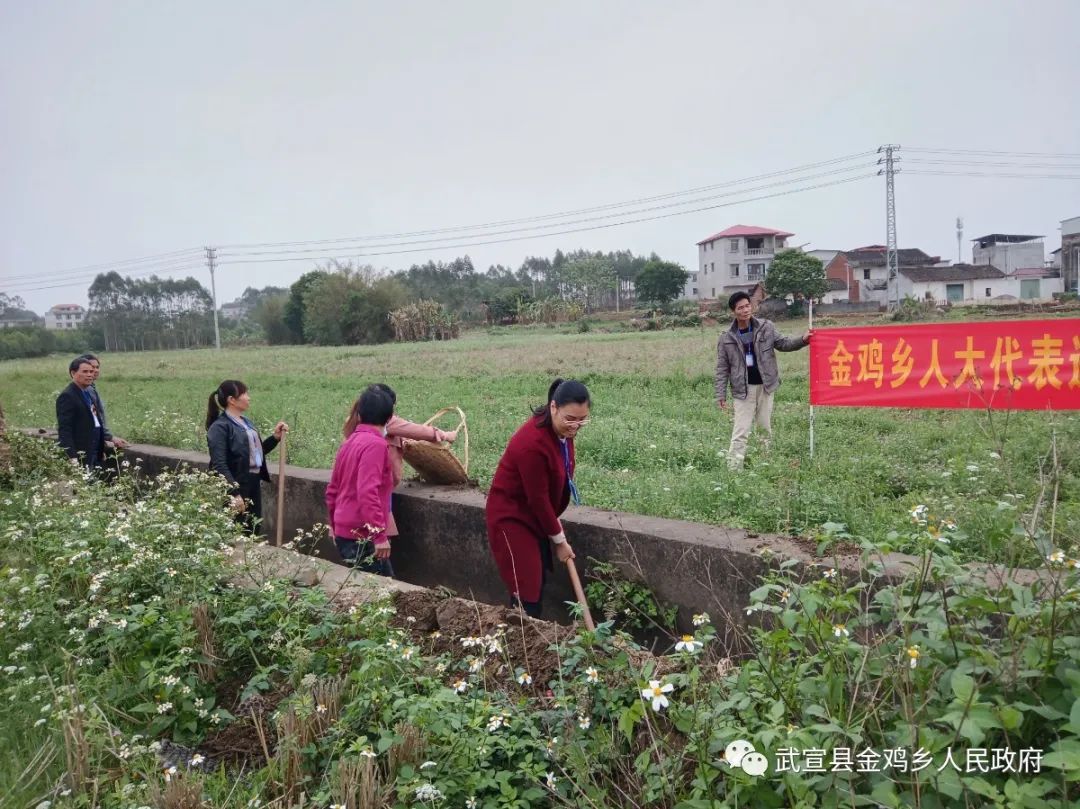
point(574, 496)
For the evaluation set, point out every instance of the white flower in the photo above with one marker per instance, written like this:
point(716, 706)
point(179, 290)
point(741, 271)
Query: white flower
point(497, 721)
point(320, 708)
point(410, 619)
point(367, 752)
point(657, 693)
point(40, 722)
point(701, 619)
point(471, 803)
point(592, 675)
point(164, 707)
point(308, 680)
point(914, 655)
point(584, 722)
point(840, 630)
point(475, 664)
point(122, 623)
point(197, 759)
point(170, 772)
point(918, 514)
point(524, 678)
point(428, 792)
point(407, 653)
point(460, 686)
point(428, 765)
point(550, 780)
point(830, 573)
point(392, 644)
point(337, 806)
point(1056, 558)
point(688, 644)
point(44, 805)
point(170, 680)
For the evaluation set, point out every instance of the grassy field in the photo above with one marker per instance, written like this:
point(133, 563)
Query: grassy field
point(656, 442)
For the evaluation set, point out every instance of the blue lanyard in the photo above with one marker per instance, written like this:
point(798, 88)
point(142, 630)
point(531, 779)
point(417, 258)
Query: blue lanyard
point(569, 477)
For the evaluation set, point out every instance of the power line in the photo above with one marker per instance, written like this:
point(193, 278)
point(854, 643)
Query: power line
point(994, 174)
point(162, 266)
point(991, 163)
point(555, 233)
point(563, 224)
point(561, 214)
point(1061, 155)
point(22, 287)
point(107, 265)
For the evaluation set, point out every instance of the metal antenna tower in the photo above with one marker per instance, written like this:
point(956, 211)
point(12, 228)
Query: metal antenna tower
point(892, 261)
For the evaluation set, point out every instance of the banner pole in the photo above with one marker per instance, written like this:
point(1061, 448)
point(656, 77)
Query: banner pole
point(810, 382)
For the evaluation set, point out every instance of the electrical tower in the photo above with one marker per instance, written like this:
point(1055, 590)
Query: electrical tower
point(892, 261)
point(211, 263)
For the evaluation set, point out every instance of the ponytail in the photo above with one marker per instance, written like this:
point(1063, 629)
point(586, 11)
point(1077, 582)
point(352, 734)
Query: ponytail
point(219, 399)
point(561, 392)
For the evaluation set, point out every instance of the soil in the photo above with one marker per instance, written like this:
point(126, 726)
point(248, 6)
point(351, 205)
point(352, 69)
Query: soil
point(526, 641)
point(239, 743)
point(843, 549)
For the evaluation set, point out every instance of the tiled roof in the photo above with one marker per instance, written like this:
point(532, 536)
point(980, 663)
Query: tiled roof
point(745, 230)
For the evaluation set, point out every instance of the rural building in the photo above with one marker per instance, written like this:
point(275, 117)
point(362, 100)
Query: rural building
point(65, 316)
point(838, 272)
point(838, 291)
point(14, 318)
point(1008, 252)
point(864, 269)
point(734, 259)
point(1070, 253)
point(966, 284)
point(237, 310)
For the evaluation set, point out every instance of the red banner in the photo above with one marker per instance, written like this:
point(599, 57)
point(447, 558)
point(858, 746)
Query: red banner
point(1012, 364)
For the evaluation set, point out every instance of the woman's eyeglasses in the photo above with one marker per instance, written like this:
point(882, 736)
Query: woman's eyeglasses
point(575, 422)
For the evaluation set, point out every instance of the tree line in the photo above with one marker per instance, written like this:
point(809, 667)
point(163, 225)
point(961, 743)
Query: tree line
point(342, 303)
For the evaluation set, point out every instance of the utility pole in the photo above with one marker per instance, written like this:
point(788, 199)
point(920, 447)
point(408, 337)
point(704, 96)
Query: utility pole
point(211, 263)
point(892, 261)
point(959, 240)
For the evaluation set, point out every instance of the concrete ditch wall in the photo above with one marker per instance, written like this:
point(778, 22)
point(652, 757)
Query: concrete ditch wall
point(443, 543)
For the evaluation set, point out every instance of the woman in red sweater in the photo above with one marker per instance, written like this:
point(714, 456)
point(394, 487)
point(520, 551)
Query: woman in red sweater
point(533, 485)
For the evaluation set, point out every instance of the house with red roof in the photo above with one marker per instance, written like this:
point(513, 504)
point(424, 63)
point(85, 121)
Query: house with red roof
point(734, 259)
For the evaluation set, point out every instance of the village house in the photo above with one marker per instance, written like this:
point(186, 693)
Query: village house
point(1070, 253)
point(734, 259)
point(966, 284)
point(65, 316)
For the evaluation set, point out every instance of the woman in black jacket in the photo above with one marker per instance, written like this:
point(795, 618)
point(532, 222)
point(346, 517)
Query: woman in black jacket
point(237, 453)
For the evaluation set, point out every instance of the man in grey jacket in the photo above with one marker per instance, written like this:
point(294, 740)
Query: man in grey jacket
point(746, 358)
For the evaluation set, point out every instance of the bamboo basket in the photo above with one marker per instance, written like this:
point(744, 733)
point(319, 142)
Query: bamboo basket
point(437, 463)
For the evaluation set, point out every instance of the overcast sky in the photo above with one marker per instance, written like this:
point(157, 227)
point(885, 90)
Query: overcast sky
point(138, 128)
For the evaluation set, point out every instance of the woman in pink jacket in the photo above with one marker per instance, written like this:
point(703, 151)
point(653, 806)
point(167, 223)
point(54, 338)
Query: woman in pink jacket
point(398, 429)
point(358, 495)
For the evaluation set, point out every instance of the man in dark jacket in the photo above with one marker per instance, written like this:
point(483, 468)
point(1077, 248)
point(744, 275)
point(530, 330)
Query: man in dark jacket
point(746, 359)
point(79, 424)
point(114, 440)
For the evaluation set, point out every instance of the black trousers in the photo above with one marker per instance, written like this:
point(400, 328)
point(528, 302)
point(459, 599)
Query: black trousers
point(250, 488)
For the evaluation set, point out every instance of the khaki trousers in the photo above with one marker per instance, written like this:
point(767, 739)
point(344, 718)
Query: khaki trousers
point(755, 409)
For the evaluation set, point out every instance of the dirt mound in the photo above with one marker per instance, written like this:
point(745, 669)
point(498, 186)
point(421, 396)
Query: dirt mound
point(441, 622)
point(241, 742)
